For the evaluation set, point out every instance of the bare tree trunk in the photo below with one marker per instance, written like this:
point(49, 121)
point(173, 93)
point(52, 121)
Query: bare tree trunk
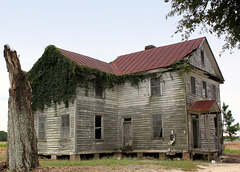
point(22, 152)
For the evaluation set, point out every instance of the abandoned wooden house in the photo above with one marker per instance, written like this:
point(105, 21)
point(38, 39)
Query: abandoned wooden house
point(172, 109)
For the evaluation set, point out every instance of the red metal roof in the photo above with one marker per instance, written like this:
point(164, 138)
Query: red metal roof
point(87, 61)
point(156, 57)
point(204, 105)
point(139, 61)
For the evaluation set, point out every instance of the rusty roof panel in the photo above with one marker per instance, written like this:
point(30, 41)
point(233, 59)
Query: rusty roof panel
point(87, 61)
point(139, 61)
point(156, 57)
point(204, 105)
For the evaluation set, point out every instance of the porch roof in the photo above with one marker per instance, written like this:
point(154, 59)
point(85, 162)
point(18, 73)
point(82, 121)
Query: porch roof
point(205, 106)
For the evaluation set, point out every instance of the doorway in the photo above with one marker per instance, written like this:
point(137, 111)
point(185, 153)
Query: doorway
point(127, 134)
point(195, 131)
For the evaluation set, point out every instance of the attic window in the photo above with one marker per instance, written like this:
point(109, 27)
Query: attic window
point(202, 58)
point(98, 90)
point(156, 86)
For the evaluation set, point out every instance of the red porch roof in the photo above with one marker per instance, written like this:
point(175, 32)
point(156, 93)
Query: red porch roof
point(204, 106)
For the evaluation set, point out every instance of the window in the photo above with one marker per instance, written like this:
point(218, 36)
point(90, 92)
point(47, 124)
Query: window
point(98, 127)
point(98, 90)
point(193, 85)
point(156, 88)
point(202, 58)
point(42, 128)
point(214, 92)
point(65, 126)
point(157, 126)
point(204, 89)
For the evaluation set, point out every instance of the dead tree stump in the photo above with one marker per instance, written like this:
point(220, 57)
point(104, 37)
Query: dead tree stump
point(22, 152)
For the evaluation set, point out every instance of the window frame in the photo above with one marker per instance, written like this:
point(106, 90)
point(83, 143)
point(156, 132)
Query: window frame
point(63, 133)
point(157, 86)
point(153, 127)
point(193, 85)
point(202, 58)
point(214, 92)
point(97, 127)
point(44, 128)
point(204, 89)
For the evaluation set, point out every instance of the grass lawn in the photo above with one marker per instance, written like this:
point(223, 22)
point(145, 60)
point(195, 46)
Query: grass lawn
point(229, 151)
point(166, 164)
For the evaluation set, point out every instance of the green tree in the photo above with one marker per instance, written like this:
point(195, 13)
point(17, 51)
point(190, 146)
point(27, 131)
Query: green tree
point(3, 136)
point(230, 129)
point(214, 16)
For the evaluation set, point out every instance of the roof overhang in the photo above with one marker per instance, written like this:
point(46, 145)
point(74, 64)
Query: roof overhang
point(204, 107)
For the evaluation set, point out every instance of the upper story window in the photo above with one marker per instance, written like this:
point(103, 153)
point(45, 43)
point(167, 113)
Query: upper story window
point(157, 126)
point(156, 86)
point(98, 127)
point(98, 91)
point(214, 92)
point(65, 126)
point(42, 128)
point(193, 85)
point(204, 91)
point(202, 58)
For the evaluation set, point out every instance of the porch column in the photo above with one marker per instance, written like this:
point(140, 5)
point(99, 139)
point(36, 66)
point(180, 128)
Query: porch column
point(208, 136)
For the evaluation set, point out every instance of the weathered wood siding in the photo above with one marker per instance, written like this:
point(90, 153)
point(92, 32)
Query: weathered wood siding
point(53, 145)
point(89, 106)
point(199, 75)
point(138, 104)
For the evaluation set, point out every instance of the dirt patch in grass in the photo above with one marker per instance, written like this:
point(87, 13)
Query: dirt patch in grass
point(232, 145)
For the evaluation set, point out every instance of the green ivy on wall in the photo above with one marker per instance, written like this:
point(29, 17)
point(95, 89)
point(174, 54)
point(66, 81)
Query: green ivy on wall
point(54, 78)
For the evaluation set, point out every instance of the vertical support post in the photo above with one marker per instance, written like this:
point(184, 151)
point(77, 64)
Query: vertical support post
point(75, 157)
point(208, 136)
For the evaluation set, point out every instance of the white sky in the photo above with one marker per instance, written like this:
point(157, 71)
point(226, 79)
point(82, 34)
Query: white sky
point(101, 29)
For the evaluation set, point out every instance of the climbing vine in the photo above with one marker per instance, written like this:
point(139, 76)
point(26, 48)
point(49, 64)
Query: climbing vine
point(54, 78)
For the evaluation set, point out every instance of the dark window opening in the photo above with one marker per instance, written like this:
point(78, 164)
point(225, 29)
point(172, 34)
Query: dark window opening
point(98, 89)
point(193, 85)
point(98, 127)
point(65, 124)
point(205, 89)
point(156, 86)
point(127, 119)
point(157, 126)
point(202, 58)
point(216, 125)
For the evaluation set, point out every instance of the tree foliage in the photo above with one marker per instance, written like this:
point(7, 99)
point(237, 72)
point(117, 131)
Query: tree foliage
point(214, 16)
point(230, 129)
point(3, 136)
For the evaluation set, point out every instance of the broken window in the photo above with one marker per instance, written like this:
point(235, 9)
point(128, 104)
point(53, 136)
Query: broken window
point(156, 88)
point(214, 92)
point(202, 58)
point(157, 126)
point(98, 127)
point(193, 85)
point(65, 126)
point(42, 128)
point(204, 89)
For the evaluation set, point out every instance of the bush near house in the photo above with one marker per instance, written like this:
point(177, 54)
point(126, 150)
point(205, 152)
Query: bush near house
point(3, 136)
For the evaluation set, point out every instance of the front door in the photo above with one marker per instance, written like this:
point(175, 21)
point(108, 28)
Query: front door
point(195, 131)
point(127, 134)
